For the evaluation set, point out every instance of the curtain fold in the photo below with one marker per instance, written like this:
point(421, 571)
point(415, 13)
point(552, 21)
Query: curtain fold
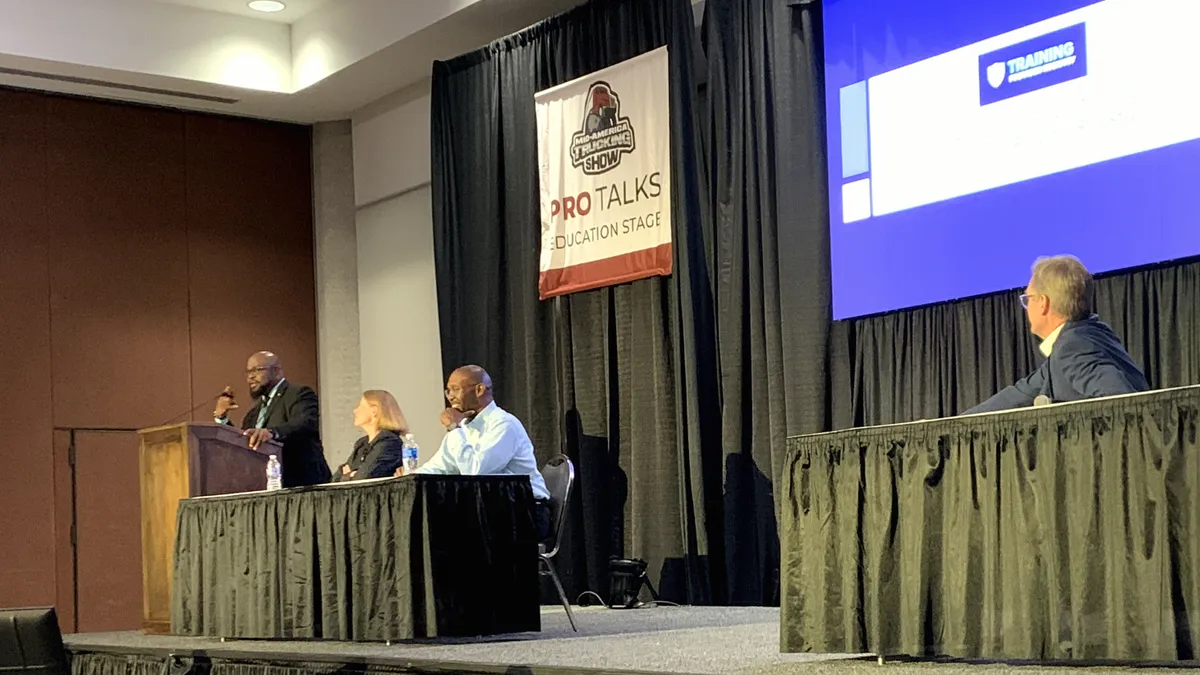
point(399, 559)
point(1053, 533)
point(118, 664)
point(765, 140)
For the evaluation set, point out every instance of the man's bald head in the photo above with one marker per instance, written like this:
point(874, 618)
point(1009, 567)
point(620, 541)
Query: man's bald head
point(469, 389)
point(263, 371)
point(475, 374)
point(263, 359)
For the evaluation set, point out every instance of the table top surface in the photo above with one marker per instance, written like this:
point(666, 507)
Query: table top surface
point(1053, 408)
point(368, 482)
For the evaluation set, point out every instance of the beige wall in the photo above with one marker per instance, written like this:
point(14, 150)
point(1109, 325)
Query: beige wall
point(336, 258)
point(391, 145)
point(398, 319)
point(377, 294)
point(397, 291)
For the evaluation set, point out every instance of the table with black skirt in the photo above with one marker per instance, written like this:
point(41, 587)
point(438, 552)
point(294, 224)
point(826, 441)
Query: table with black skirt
point(387, 559)
point(1069, 531)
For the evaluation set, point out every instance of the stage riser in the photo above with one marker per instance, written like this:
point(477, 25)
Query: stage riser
point(93, 663)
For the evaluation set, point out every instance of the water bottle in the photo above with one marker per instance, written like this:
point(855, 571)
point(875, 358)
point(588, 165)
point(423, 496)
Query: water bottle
point(410, 455)
point(274, 473)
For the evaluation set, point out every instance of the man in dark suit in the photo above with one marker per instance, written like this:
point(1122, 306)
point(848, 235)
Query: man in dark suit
point(283, 412)
point(1084, 357)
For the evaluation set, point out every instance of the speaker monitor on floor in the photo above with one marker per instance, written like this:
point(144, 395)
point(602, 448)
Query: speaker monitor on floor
point(31, 643)
point(625, 581)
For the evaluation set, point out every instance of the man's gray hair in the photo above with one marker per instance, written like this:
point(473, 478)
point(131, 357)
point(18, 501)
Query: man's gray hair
point(1067, 283)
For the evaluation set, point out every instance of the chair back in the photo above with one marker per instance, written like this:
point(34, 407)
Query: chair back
point(559, 474)
point(31, 643)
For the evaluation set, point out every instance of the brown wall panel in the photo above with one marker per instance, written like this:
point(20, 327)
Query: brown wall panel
point(144, 253)
point(119, 294)
point(250, 229)
point(26, 454)
point(64, 515)
point(108, 508)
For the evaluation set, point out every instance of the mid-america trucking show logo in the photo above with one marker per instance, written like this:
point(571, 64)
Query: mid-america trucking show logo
point(605, 135)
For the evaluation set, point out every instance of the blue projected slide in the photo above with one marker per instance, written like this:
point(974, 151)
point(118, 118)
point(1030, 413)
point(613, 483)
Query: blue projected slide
point(968, 138)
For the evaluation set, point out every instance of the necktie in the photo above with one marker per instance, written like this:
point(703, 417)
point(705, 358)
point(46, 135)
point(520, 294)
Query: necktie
point(262, 412)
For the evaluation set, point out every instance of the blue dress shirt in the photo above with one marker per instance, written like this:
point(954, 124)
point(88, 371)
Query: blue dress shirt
point(493, 443)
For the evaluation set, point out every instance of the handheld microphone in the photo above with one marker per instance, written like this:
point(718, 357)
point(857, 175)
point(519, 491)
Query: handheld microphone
point(189, 412)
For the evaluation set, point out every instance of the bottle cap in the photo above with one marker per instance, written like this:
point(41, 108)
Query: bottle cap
point(273, 457)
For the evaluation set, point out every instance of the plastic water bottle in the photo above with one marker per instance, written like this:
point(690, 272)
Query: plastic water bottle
point(274, 473)
point(410, 455)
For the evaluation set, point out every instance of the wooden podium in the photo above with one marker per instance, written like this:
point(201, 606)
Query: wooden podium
point(177, 462)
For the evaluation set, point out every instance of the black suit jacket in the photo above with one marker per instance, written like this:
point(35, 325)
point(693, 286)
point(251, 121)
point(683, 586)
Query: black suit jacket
point(295, 418)
point(374, 459)
point(1087, 361)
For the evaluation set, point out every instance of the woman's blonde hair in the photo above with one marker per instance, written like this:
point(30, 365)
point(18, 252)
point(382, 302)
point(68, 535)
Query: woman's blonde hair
point(390, 415)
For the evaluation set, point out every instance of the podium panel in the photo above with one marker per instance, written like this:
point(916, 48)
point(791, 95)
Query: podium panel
point(177, 462)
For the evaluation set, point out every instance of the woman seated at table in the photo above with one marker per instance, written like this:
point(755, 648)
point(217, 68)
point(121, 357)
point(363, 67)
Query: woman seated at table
point(380, 452)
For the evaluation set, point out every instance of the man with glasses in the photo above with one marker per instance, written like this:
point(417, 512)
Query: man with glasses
point(1084, 357)
point(282, 412)
point(483, 439)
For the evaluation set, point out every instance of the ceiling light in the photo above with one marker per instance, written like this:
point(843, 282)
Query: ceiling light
point(267, 5)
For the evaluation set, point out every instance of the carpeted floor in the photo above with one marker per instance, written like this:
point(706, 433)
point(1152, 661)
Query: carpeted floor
point(686, 640)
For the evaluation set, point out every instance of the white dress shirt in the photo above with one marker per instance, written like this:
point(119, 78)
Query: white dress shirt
point(493, 443)
point(1047, 345)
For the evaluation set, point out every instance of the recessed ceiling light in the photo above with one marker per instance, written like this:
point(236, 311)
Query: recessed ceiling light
point(267, 5)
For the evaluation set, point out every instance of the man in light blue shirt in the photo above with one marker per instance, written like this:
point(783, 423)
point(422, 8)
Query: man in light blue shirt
point(484, 439)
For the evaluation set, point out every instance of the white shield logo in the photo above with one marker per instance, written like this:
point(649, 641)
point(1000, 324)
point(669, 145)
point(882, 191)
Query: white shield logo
point(995, 74)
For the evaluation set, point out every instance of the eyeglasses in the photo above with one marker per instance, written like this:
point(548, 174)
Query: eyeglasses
point(455, 389)
point(1025, 297)
point(256, 371)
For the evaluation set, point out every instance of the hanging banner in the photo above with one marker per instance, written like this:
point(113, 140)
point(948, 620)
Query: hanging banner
point(604, 157)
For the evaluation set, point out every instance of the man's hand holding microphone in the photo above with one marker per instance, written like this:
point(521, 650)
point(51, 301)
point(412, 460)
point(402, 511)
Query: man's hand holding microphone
point(226, 402)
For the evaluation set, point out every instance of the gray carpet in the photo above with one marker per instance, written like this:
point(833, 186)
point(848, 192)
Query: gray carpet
point(689, 640)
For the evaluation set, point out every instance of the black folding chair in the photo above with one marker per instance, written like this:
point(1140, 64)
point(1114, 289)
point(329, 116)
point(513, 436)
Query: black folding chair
point(559, 474)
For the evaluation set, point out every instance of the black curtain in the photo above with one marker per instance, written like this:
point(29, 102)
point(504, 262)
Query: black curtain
point(116, 664)
point(621, 379)
point(921, 363)
point(1044, 533)
point(359, 562)
point(764, 129)
point(938, 361)
point(674, 396)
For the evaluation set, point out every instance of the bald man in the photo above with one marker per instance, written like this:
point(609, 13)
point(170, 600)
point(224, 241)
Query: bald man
point(282, 412)
point(483, 439)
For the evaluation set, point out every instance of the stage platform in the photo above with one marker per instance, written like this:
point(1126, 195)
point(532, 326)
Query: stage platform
point(675, 640)
point(698, 640)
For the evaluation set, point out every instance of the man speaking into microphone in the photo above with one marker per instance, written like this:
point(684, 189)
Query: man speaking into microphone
point(283, 412)
point(1084, 357)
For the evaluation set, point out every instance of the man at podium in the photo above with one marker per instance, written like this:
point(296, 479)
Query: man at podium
point(283, 412)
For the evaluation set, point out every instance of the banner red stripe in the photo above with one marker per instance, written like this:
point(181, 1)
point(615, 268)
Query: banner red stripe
point(619, 269)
